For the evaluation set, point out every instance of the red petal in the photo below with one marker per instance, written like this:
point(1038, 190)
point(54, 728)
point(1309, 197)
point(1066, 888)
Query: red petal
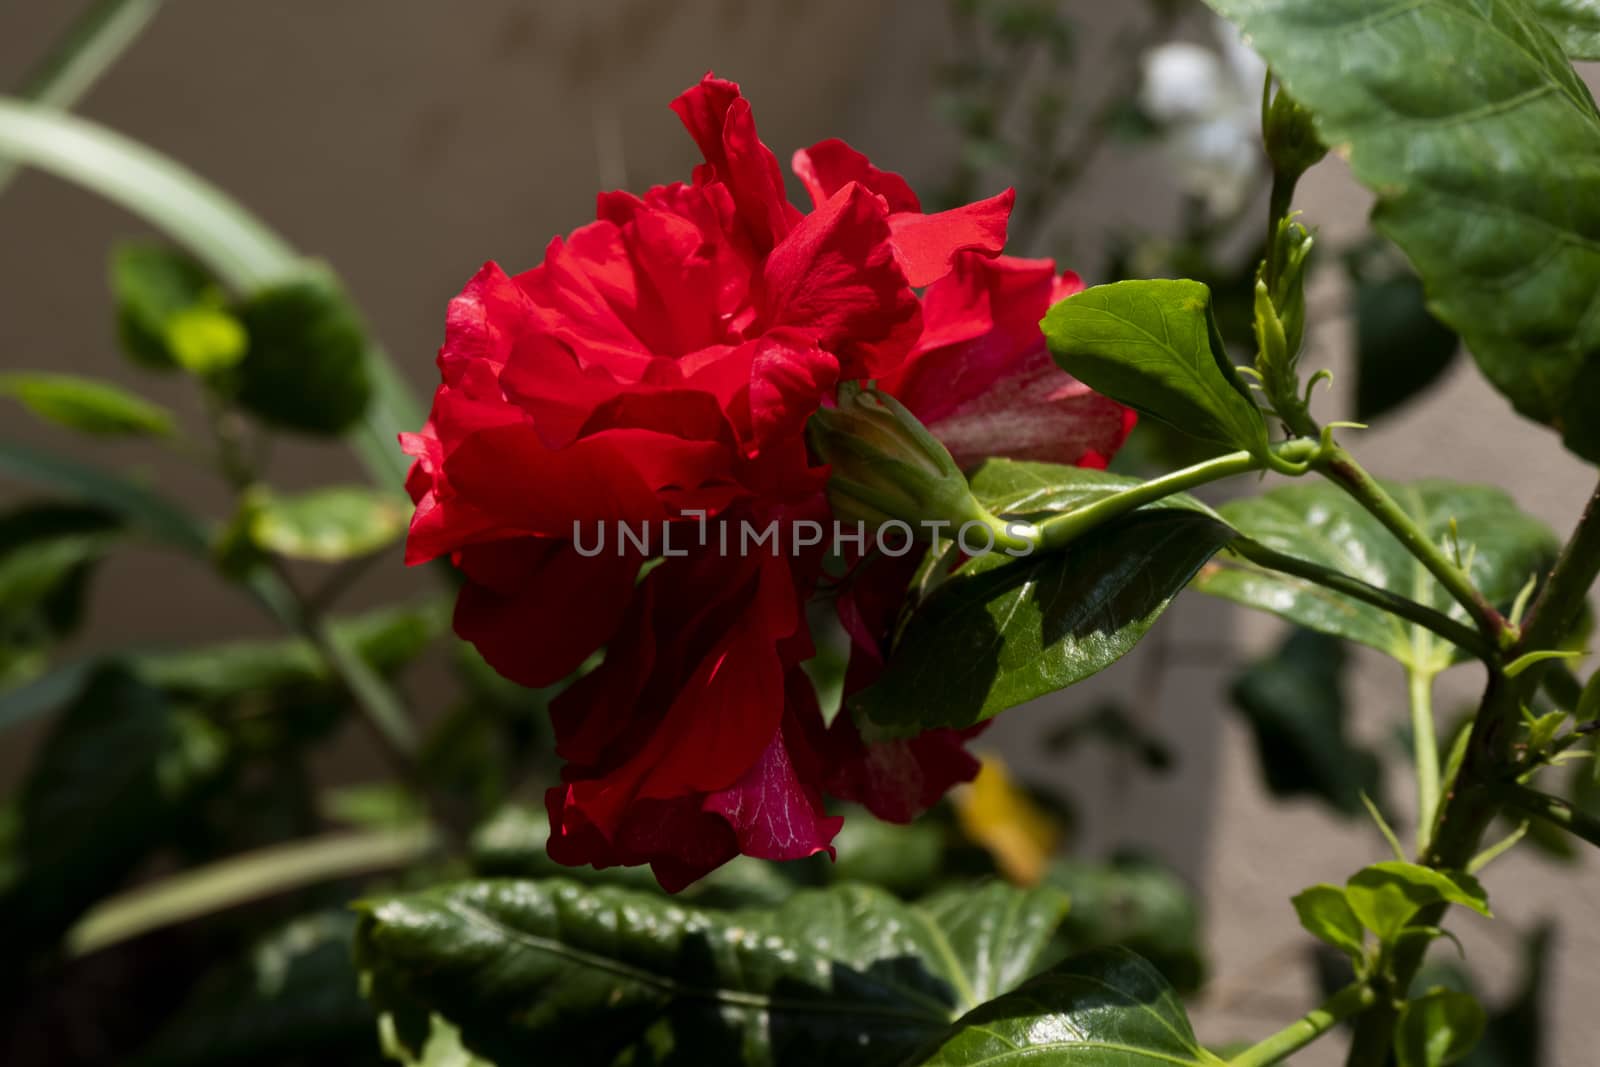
point(835, 276)
point(828, 166)
point(719, 120)
point(926, 245)
point(535, 609)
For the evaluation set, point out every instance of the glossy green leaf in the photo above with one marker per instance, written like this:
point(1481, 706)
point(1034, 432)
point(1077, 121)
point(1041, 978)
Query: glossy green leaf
point(1465, 117)
point(1135, 903)
point(1401, 349)
point(1326, 915)
point(1438, 1029)
point(1154, 346)
point(1001, 631)
point(553, 969)
point(305, 368)
point(326, 525)
point(153, 283)
point(1105, 1009)
point(1386, 895)
point(1575, 23)
point(111, 778)
point(86, 405)
point(293, 996)
point(1319, 522)
point(1294, 702)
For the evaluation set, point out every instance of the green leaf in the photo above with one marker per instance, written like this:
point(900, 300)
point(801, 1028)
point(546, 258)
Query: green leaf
point(1386, 895)
point(326, 525)
point(1575, 23)
point(1001, 631)
point(1320, 523)
point(234, 244)
point(1105, 1009)
point(1138, 904)
point(86, 405)
point(206, 340)
point(293, 996)
point(1294, 703)
point(387, 639)
point(1438, 1029)
point(152, 284)
point(904, 858)
point(1326, 915)
point(47, 552)
point(108, 784)
point(144, 509)
point(1455, 112)
point(1154, 346)
point(574, 974)
point(306, 366)
point(1401, 349)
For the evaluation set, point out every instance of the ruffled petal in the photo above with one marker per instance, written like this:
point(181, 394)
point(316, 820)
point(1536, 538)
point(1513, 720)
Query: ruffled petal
point(719, 120)
point(828, 166)
point(926, 245)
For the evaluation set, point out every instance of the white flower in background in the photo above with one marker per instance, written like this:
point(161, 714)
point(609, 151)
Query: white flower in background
point(1208, 101)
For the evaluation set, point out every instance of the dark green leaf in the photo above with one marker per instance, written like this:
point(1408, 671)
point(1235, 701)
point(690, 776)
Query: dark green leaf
point(1294, 702)
point(1326, 915)
point(86, 405)
point(1401, 349)
point(1463, 116)
point(847, 975)
point(1135, 903)
point(1437, 1029)
point(1002, 631)
point(47, 552)
point(1105, 1009)
point(904, 859)
point(326, 525)
point(1320, 523)
point(1575, 23)
point(1154, 346)
point(142, 508)
point(151, 283)
point(293, 997)
point(306, 367)
point(387, 639)
point(111, 779)
point(1386, 895)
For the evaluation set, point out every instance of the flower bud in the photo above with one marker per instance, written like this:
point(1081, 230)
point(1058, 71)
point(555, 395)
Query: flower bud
point(887, 466)
point(1291, 138)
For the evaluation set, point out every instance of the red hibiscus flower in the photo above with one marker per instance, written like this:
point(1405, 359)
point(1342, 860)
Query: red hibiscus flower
point(656, 370)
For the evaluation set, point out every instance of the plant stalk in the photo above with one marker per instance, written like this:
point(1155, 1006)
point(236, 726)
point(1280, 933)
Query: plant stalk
point(1410, 610)
point(1351, 1000)
point(1062, 529)
point(1551, 809)
point(1425, 741)
point(1341, 468)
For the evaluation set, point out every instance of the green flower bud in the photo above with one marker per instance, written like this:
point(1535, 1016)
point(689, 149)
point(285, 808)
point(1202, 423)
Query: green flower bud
point(1292, 142)
point(887, 466)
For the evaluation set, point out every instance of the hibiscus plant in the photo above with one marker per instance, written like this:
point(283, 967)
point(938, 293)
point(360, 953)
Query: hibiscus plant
point(749, 515)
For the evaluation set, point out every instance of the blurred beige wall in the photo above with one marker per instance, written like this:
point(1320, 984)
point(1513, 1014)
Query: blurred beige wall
point(407, 142)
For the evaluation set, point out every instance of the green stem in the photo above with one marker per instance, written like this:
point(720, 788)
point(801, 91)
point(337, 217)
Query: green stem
point(1426, 743)
point(89, 48)
point(1559, 603)
point(1341, 468)
point(1349, 1001)
point(240, 879)
point(1551, 809)
point(1061, 529)
point(1339, 582)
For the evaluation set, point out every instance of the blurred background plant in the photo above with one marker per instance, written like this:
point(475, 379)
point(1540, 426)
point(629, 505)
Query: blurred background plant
point(175, 864)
